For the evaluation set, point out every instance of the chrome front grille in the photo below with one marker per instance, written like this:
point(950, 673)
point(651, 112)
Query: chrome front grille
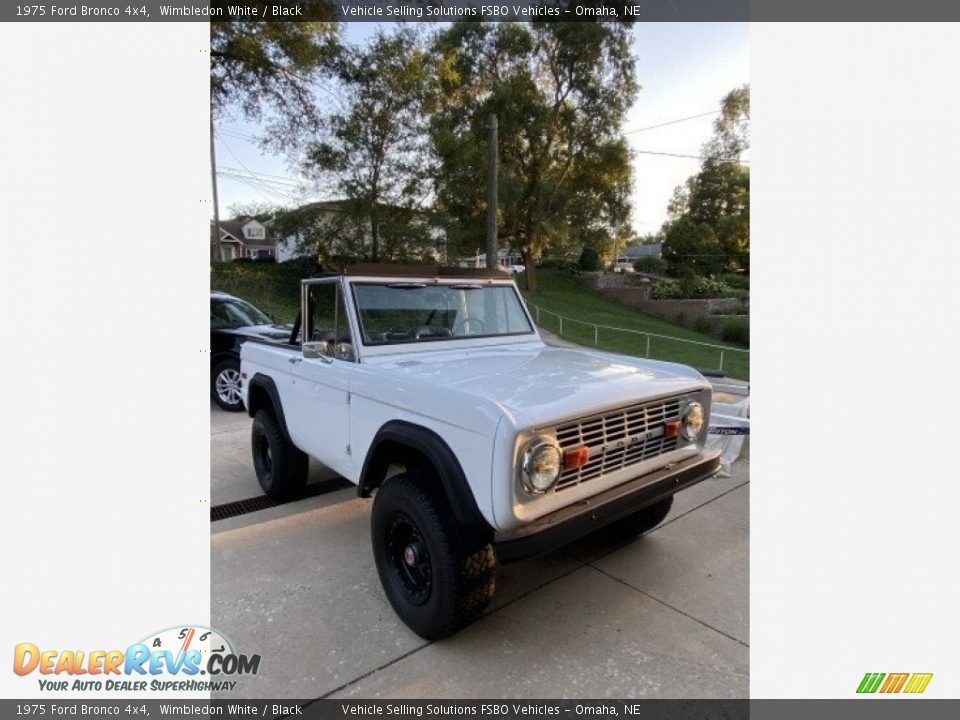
point(618, 439)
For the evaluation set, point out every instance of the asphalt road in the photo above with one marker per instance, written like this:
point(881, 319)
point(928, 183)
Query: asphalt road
point(663, 617)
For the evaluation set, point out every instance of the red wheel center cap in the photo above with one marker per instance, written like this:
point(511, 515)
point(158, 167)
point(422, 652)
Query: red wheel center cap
point(410, 555)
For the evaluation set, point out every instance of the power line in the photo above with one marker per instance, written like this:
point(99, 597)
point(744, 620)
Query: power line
point(239, 136)
point(682, 155)
point(274, 184)
point(671, 122)
point(253, 172)
point(266, 177)
point(668, 154)
point(260, 188)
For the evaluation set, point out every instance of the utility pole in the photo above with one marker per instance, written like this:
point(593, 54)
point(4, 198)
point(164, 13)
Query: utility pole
point(492, 194)
point(215, 246)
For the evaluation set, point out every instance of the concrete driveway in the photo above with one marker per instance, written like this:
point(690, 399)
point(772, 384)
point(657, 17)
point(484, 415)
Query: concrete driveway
point(663, 617)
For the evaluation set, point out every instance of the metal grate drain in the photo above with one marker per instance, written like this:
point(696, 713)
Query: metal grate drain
point(254, 504)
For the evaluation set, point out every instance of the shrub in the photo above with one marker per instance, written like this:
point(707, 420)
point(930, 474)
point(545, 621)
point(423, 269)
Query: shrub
point(665, 290)
point(703, 287)
point(703, 325)
point(736, 330)
point(589, 260)
point(738, 281)
point(653, 265)
point(570, 267)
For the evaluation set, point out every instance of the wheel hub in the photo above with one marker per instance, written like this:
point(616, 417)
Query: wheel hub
point(228, 386)
point(409, 559)
point(412, 554)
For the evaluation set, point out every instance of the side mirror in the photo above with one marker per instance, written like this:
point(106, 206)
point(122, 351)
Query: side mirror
point(314, 350)
point(344, 351)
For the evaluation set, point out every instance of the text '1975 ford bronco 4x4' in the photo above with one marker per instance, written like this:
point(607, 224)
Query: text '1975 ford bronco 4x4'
point(431, 389)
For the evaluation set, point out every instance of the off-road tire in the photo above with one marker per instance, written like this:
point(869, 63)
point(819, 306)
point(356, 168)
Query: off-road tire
point(461, 561)
point(280, 466)
point(230, 368)
point(638, 523)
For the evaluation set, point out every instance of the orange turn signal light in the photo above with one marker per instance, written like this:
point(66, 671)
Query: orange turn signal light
point(578, 457)
point(671, 429)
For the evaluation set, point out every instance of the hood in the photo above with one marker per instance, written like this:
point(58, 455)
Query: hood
point(538, 385)
point(269, 332)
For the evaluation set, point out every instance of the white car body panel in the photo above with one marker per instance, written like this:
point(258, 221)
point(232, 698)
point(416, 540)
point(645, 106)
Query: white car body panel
point(482, 396)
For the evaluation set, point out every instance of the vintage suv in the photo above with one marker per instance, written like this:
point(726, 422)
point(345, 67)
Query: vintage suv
point(432, 389)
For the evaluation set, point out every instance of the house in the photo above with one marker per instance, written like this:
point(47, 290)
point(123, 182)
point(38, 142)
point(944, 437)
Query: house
point(244, 238)
point(506, 259)
point(635, 252)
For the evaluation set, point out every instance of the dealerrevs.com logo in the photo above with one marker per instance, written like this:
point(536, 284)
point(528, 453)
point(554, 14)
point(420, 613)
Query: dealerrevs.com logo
point(910, 683)
point(182, 659)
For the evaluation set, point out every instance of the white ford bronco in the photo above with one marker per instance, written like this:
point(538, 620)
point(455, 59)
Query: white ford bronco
point(432, 390)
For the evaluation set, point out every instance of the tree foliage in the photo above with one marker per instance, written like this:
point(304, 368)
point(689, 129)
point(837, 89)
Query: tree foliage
point(257, 66)
point(336, 233)
point(731, 131)
point(373, 147)
point(708, 230)
point(560, 92)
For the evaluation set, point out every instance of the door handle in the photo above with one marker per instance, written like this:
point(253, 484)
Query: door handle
point(294, 360)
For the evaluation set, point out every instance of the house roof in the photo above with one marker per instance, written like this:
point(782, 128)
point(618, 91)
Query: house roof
point(639, 251)
point(233, 230)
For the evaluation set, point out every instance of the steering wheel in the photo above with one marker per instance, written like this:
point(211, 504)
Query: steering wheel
point(422, 331)
point(463, 322)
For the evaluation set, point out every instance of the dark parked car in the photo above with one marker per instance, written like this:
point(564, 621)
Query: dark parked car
point(232, 322)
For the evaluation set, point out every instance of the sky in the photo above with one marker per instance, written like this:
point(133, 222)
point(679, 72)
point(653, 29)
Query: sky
point(684, 69)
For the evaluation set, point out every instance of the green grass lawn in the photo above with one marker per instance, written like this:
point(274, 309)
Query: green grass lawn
point(271, 287)
point(562, 295)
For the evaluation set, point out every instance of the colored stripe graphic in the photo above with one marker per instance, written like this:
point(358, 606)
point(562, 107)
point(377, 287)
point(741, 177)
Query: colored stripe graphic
point(894, 682)
point(870, 682)
point(918, 682)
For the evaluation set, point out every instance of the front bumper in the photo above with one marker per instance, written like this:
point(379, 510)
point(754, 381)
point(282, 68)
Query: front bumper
point(574, 521)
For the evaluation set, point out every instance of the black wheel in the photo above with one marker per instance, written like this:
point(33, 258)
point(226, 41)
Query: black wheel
point(640, 522)
point(437, 576)
point(281, 468)
point(225, 385)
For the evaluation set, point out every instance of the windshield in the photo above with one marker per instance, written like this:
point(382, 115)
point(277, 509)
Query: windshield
point(230, 313)
point(403, 312)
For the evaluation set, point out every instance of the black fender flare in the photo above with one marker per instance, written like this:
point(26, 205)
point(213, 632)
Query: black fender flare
point(431, 446)
point(263, 383)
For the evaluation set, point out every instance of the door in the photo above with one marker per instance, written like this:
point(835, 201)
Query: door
point(319, 410)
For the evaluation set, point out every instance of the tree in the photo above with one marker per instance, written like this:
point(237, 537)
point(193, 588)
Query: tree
point(374, 149)
point(589, 260)
point(257, 66)
point(708, 229)
point(731, 131)
point(691, 248)
point(560, 92)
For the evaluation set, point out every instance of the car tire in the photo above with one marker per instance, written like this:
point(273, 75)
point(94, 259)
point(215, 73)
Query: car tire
point(438, 576)
point(281, 467)
point(638, 523)
point(225, 385)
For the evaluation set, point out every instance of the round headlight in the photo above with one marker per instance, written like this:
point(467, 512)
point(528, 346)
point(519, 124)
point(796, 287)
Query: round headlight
point(541, 466)
point(692, 421)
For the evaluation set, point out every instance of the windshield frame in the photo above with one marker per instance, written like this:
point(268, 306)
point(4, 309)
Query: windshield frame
point(454, 341)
